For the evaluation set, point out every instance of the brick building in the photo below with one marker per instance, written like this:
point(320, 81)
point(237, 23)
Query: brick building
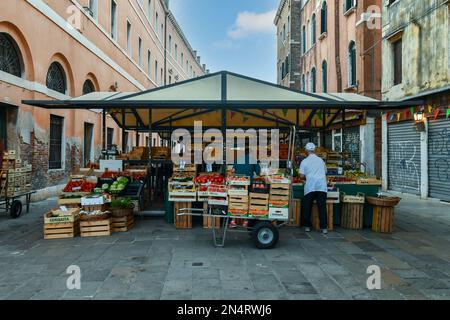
point(67, 48)
point(335, 46)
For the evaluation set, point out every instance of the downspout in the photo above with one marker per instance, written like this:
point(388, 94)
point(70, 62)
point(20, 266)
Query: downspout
point(165, 46)
point(337, 45)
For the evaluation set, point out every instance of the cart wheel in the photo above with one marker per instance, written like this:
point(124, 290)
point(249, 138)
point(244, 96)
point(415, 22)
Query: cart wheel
point(16, 209)
point(265, 235)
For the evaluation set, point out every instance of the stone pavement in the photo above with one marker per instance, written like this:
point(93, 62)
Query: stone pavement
point(155, 261)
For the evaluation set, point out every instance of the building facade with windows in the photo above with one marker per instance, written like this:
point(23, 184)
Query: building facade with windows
point(67, 48)
point(416, 65)
point(339, 51)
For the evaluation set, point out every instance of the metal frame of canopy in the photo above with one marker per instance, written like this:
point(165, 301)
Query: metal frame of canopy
point(121, 105)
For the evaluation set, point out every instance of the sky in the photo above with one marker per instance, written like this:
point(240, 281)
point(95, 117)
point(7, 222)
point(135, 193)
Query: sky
point(233, 35)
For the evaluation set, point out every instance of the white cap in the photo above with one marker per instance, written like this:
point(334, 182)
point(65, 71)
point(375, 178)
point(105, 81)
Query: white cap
point(310, 147)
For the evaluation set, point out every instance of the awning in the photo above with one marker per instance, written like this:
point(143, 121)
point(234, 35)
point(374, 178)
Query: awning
point(223, 99)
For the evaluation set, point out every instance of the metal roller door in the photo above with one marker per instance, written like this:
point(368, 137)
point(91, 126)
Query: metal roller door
point(404, 158)
point(351, 143)
point(439, 159)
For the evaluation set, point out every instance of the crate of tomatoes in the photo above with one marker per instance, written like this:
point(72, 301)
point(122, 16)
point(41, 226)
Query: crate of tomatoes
point(79, 186)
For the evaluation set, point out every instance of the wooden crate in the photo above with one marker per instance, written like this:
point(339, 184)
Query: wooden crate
point(238, 202)
point(259, 202)
point(62, 230)
point(94, 207)
point(352, 216)
point(383, 219)
point(123, 224)
point(295, 213)
point(315, 216)
point(96, 228)
point(182, 222)
point(208, 221)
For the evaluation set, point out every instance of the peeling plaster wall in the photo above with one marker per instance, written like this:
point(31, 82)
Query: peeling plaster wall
point(426, 47)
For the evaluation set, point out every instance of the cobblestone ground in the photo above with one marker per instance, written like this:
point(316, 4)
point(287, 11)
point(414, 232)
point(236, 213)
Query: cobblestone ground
point(155, 261)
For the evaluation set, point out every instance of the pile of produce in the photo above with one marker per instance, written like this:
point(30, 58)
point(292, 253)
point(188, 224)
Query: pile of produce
point(117, 186)
point(213, 178)
point(122, 203)
point(79, 186)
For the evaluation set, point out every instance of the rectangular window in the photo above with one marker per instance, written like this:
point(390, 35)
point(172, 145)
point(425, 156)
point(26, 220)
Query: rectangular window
point(398, 62)
point(156, 72)
point(140, 52)
point(149, 63)
point(162, 76)
point(162, 32)
point(88, 143)
point(126, 142)
point(93, 9)
point(170, 44)
point(113, 20)
point(129, 38)
point(149, 11)
point(156, 22)
point(56, 135)
point(109, 138)
point(176, 52)
point(170, 79)
point(182, 59)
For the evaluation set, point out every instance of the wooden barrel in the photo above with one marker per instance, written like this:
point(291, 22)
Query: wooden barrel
point(352, 216)
point(383, 219)
point(315, 216)
point(182, 222)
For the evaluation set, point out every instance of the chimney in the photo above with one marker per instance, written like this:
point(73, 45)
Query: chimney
point(198, 59)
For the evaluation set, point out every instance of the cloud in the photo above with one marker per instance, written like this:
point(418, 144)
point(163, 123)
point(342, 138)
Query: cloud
point(248, 23)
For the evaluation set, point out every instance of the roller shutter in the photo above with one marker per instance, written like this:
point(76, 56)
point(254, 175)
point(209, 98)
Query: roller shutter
point(404, 158)
point(439, 159)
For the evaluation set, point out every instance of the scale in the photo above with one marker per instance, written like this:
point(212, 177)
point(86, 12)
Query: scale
point(111, 153)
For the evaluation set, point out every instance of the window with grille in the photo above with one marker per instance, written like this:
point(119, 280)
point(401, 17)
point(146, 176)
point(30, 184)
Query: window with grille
point(352, 63)
point(55, 150)
point(398, 63)
point(56, 78)
point(324, 76)
point(113, 20)
point(9, 56)
point(88, 87)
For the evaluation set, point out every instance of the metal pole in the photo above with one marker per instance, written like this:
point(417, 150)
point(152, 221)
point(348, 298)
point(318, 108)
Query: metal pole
point(324, 125)
point(342, 137)
point(124, 143)
point(104, 138)
point(150, 145)
point(224, 129)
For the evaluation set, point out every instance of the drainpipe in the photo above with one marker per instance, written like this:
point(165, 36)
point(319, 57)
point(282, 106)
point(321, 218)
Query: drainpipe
point(165, 45)
point(337, 45)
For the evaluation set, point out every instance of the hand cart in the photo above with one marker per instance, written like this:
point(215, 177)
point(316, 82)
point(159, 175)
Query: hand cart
point(13, 205)
point(264, 232)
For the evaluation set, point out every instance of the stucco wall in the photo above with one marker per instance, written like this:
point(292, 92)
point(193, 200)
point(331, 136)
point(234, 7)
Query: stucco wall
point(425, 28)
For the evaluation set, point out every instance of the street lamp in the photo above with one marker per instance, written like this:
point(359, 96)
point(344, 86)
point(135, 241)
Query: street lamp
point(419, 118)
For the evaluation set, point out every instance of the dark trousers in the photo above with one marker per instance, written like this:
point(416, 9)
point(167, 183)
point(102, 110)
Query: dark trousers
point(308, 200)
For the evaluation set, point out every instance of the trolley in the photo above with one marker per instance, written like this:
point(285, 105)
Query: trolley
point(264, 232)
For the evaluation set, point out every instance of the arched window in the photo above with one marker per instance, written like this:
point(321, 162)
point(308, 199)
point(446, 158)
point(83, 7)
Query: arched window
point(56, 78)
point(313, 30)
point(303, 83)
point(313, 80)
point(307, 82)
point(352, 64)
point(10, 58)
point(303, 39)
point(88, 87)
point(324, 76)
point(324, 18)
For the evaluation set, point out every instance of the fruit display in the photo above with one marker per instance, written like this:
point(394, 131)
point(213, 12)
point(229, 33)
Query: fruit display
point(259, 185)
point(117, 186)
point(341, 180)
point(183, 176)
point(214, 178)
point(238, 180)
point(82, 186)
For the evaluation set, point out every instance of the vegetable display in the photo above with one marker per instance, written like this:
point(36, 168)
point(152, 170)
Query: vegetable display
point(79, 186)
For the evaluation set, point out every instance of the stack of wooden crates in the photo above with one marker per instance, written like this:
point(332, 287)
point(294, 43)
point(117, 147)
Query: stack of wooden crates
point(15, 176)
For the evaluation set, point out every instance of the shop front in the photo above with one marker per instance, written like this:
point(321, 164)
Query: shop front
point(198, 183)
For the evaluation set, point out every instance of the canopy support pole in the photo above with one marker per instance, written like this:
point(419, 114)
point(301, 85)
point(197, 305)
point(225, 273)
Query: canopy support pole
point(104, 143)
point(342, 137)
point(150, 145)
point(124, 143)
point(224, 131)
point(324, 125)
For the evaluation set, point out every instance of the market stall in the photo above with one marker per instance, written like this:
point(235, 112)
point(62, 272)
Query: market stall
point(227, 101)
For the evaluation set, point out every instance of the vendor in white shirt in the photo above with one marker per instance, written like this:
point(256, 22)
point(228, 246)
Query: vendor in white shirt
point(314, 170)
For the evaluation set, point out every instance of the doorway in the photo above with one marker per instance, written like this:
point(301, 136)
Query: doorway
point(88, 142)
